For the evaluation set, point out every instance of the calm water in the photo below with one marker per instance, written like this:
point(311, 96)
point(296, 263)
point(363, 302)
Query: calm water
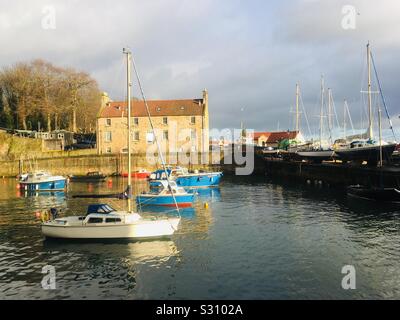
point(256, 240)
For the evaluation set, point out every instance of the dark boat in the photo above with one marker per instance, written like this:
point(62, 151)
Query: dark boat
point(93, 176)
point(391, 195)
point(370, 152)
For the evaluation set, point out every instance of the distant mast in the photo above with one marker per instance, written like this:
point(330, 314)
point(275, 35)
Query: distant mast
point(297, 107)
point(321, 112)
point(370, 133)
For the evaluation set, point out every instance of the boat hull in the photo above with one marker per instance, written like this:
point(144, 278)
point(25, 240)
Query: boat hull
point(199, 180)
point(141, 230)
point(137, 175)
point(99, 178)
point(165, 200)
point(391, 195)
point(369, 154)
point(52, 185)
point(195, 180)
point(317, 155)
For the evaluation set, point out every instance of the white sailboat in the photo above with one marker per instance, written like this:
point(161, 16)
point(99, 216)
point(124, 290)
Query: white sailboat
point(318, 154)
point(104, 222)
point(367, 149)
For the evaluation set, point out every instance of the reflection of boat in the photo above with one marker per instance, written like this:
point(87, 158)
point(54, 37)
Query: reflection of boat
point(377, 194)
point(188, 212)
point(30, 193)
point(185, 178)
point(139, 174)
point(165, 194)
point(43, 181)
point(156, 251)
point(103, 222)
point(94, 176)
point(211, 194)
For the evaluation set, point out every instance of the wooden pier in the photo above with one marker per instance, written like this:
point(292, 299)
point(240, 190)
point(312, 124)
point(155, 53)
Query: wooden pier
point(334, 173)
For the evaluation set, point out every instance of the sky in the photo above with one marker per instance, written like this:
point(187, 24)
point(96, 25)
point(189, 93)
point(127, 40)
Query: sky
point(248, 54)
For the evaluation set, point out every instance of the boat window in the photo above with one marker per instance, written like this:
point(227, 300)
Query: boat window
point(95, 220)
point(110, 220)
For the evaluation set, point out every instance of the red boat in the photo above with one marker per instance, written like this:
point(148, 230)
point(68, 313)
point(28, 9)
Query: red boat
point(139, 174)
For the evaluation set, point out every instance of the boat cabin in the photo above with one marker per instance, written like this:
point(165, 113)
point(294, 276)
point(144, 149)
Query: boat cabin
point(99, 208)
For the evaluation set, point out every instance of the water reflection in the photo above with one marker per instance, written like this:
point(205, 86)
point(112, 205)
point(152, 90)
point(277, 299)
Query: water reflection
point(209, 194)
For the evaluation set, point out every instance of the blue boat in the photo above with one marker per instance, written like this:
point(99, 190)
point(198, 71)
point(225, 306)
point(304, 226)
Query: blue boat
point(187, 179)
point(42, 181)
point(161, 195)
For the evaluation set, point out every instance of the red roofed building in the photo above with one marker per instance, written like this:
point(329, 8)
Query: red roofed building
point(272, 139)
point(180, 125)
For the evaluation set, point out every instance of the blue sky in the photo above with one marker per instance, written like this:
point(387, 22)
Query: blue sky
point(248, 54)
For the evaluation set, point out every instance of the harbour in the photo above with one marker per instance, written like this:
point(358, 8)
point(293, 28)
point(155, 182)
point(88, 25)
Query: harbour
point(300, 236)
point(243, 152)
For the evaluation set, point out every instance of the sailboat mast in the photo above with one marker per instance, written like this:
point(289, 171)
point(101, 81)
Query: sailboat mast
point(380, 136)
point(129, 85)
point(297, 107)
point(344, 119)
point(321, 112)
point(370, 133)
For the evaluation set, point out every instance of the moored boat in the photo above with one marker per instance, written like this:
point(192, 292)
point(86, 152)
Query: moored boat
point(101, 221)
point(93, 176)
point(42, 181)
point(165, 194)
point(187, 179)
point(368, 149)
point(139, 174)
point(391, 195)
point(317, 155)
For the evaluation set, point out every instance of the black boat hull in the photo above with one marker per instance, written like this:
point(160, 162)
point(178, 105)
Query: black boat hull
point(369, 154)
point(93, 178)
point(391, 195)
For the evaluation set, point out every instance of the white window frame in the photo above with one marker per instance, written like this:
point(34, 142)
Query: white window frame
point(108, 136)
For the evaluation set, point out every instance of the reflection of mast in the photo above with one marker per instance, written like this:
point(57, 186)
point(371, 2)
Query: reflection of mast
point(370, 133)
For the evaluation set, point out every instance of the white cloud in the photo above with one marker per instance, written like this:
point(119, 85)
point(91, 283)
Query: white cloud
point(247, 54)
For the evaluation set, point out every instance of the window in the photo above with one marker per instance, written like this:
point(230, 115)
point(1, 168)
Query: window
point(108, 122)
point(108, 150)
point(136, 136)
point(165, 120)
point(108, 136)
point(193, 120)
point(150, 137)
point(95, 220)
point(193, 134)
point(165, 135)
point(110, 220)
point(136, 121)
point(124, 150)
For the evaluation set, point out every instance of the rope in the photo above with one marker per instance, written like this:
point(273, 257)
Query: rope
point(383, 97)
point(155, 136)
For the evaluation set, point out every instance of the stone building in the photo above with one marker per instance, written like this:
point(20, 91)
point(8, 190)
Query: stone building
point(180, 126)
